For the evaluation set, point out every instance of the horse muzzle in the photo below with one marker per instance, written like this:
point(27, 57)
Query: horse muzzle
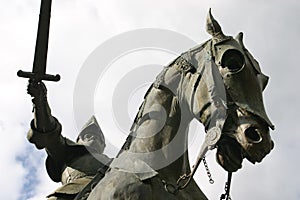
point(255, 140)
point(244, 135)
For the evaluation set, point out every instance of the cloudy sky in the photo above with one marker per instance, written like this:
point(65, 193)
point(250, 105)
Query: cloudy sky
point(78, 27)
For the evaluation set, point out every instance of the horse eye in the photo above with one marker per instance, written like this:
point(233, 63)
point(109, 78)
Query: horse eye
point(233, 60)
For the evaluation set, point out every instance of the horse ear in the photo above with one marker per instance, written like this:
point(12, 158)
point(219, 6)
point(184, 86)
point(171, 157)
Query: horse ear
point(212, 26)
point(239, 38)
point(263, 81)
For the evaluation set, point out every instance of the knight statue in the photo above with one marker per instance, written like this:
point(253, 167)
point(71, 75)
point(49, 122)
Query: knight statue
point(74, 164)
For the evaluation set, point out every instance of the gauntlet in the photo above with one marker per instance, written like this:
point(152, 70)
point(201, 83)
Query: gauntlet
point(43, 120)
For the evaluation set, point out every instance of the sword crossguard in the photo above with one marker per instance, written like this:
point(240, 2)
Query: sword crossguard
point(38, 77)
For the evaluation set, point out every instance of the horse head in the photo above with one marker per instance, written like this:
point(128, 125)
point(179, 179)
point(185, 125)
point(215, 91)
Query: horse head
point(234, 82)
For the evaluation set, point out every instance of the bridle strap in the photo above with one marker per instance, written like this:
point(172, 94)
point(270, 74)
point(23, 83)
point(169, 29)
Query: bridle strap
point(226, 195)
point(173, 189)
point(211, 138)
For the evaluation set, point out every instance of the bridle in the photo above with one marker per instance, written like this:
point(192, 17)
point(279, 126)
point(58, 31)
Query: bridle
point(211, 138)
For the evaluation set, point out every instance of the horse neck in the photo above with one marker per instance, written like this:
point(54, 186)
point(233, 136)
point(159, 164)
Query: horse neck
point(177, 168)
point(159, 133)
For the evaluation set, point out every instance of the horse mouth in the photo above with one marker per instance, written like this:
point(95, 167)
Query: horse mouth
point(229, 153)
point(251, 141)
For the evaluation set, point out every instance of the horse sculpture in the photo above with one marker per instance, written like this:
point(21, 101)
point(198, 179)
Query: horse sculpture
point(220, 84)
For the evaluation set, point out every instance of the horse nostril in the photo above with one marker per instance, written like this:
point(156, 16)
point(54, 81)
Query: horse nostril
point(253, 135)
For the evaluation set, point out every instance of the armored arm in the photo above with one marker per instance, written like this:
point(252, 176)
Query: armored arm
point(45, 129)
point(43, 120)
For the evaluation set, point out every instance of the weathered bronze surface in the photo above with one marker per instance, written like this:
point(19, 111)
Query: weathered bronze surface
point(202, 82)
point(219, 83)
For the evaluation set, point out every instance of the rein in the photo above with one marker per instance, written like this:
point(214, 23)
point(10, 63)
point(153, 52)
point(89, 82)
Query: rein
point(211, 139)
point(226, 196)
point(174, 189)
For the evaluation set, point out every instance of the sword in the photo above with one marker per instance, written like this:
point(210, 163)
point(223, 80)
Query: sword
point(41, 48)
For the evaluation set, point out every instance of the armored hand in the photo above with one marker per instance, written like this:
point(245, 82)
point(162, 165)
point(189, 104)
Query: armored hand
point(43, 120)
point(36, 89)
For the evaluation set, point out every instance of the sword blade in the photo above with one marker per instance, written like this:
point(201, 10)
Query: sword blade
point(41, 47)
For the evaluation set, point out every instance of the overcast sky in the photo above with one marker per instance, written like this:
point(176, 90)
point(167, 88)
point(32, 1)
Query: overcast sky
point(78, 27)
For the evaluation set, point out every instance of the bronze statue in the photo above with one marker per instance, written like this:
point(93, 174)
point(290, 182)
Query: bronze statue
point(219, 83)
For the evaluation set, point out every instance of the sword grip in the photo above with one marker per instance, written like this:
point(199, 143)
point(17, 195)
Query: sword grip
point(38, 77)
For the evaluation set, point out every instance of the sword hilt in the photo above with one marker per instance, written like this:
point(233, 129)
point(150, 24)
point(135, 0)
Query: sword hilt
point(38, 77)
